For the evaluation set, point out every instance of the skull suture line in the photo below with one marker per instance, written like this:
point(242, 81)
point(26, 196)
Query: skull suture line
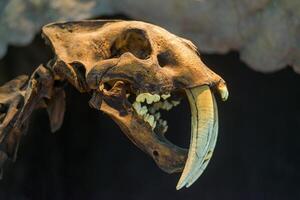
point(133, 70)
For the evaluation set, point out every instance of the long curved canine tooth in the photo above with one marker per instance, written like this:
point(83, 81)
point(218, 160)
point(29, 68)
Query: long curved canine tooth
point(203, 134)
point(212, 145)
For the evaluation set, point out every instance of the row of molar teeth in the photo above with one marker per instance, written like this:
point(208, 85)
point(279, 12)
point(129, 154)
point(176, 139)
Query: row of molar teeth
point(153, 117)
point(143, 111)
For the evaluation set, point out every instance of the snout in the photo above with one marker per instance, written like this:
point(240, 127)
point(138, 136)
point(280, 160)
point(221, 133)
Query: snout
point(143, 74)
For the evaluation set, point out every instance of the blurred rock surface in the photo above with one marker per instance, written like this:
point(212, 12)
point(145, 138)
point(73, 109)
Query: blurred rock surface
point(265, 32)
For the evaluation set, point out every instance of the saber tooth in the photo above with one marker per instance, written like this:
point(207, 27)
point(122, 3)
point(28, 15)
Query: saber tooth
point(203, 134)
point(152, 110)
point(211, 146)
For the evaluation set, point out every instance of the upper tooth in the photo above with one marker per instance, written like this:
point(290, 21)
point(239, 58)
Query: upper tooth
point(143, 110)
point(151, 120)
point(137, 106)
point(141, 97)
point(167, 105)
point(150, 98)
point(165, 96)
point(156, 98)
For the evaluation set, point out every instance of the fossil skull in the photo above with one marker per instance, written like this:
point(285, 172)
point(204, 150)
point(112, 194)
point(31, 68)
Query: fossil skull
point(137, 69)
point(134, 70)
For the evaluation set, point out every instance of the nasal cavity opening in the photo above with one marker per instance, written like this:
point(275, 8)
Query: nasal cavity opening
point(166, 58)
point(135, 41)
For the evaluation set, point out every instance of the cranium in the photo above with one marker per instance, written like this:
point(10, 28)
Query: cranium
point(133, 70)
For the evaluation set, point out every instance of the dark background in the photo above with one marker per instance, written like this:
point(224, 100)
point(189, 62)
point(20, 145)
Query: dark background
point(256, 156)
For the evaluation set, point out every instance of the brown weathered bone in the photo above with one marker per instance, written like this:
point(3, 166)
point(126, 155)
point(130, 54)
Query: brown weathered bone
point(168, 157)
point(129, 56)
point(18, 99)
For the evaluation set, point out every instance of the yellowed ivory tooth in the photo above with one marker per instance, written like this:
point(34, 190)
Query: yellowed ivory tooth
point(210, 148)
point(165, 96)
point(146, 117)
point(156, 98)
point(154, 125)
point(151, 120)
point(137, 106)
point(223, 91)
point(203, 134)
point(143, 110)
point(149, 98)
point(141, 97)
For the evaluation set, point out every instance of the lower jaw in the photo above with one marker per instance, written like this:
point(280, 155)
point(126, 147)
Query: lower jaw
point(169, 157)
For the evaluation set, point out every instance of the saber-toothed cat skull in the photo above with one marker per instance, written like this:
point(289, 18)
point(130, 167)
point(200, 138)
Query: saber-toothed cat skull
point(133, 70)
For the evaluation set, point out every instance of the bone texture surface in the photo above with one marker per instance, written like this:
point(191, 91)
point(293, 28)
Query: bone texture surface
point(135, 72)
point(265, 32)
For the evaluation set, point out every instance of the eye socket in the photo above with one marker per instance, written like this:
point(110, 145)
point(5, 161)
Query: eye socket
point(134, 41)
